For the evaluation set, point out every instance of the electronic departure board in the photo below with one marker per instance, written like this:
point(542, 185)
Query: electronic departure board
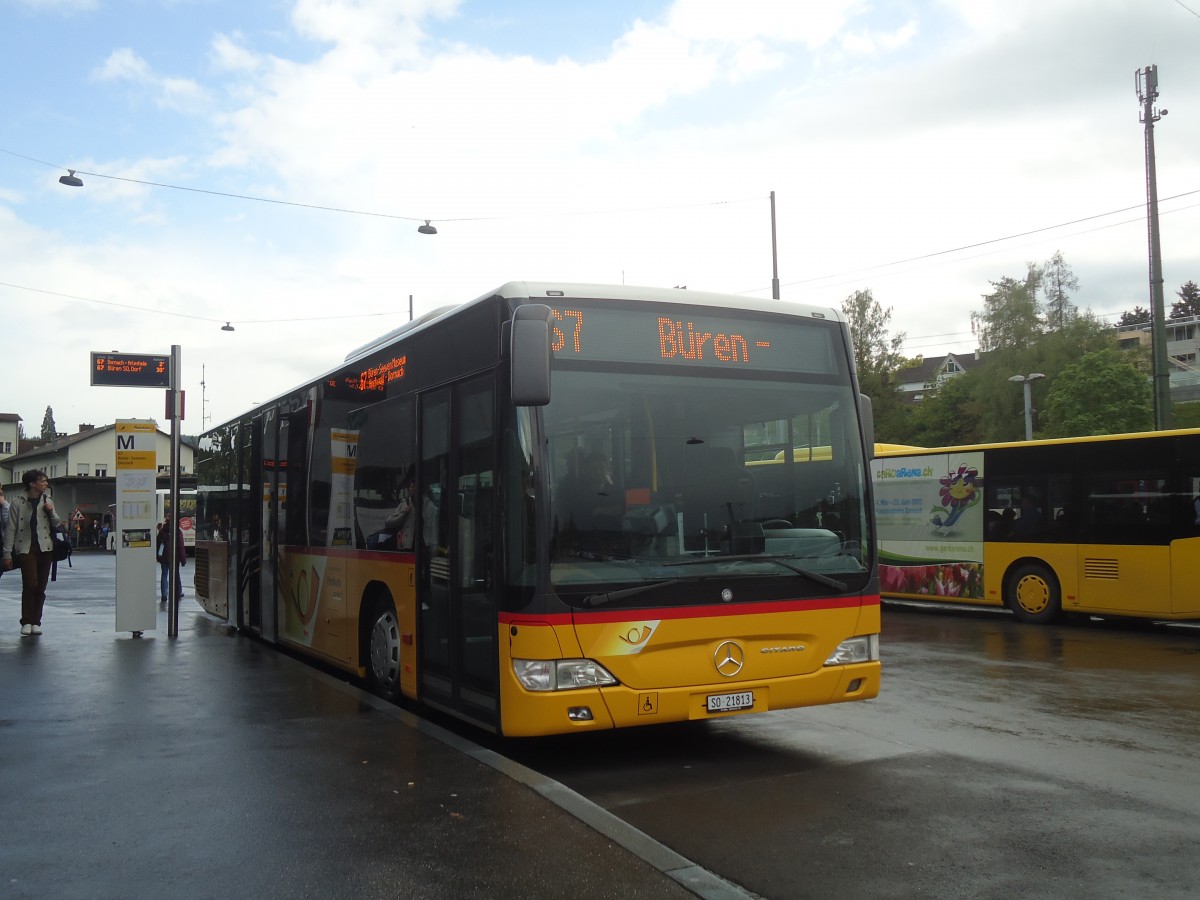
point(692, 336)
point(131, 370)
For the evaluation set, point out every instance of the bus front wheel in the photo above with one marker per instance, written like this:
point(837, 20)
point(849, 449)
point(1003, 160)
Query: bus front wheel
point(383, 651)
point(1033, 594)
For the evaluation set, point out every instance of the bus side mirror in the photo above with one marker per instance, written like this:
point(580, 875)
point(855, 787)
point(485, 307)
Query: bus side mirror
point(529, 358)
point(866, 412)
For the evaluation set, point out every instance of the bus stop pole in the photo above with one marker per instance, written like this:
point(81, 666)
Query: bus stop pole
point(172, 541)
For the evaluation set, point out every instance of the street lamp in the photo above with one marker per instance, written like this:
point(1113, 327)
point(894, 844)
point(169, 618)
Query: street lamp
point(1027, 380)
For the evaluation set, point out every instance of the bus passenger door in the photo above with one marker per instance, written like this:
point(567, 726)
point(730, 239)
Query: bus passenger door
point(248, 525)
point(264, 620)
point(458, 606)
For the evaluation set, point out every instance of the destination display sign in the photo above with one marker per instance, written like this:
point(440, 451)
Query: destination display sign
point(691, 336)
point(131, 370)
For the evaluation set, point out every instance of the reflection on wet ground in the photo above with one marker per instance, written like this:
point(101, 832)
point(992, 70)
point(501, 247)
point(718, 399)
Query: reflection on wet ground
point(1124, 678)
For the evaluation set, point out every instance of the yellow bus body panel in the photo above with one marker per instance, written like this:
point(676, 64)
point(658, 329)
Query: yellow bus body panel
point(1131, 580)
point(1185, 578)
point(667, 666)
point(320, 598)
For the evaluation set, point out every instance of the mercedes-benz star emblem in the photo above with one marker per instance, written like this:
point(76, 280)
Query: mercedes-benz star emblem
point(729, 658)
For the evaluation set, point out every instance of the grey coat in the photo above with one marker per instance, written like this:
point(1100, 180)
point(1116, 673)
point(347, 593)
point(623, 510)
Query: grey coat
point(17, 533)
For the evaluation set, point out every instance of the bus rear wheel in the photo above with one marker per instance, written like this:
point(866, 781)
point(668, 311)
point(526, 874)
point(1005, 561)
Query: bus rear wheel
point(1033, 594)
point(383, 651)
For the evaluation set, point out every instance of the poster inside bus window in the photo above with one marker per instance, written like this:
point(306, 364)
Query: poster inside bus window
point(691, 336)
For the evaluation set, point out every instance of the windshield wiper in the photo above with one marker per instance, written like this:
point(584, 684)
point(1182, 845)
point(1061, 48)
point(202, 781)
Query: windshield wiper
point(818, 577)
point(613, 596)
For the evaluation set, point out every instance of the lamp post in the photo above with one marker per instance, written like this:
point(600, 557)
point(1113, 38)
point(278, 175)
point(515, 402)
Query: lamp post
point(1027, 380)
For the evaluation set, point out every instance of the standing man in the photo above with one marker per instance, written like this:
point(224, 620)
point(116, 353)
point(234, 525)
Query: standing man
point(162, 553)
point(28, 543)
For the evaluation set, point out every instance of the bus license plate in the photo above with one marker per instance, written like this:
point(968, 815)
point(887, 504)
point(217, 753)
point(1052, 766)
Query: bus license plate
point(730, 702)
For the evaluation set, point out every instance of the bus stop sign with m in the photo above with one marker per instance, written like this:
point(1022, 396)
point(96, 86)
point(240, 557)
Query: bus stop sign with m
point(131, 370)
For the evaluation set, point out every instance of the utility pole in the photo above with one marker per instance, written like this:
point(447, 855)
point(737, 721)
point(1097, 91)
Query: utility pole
point(1146, 81)
point(173, 559)
point(774, 254)
point(204, 416)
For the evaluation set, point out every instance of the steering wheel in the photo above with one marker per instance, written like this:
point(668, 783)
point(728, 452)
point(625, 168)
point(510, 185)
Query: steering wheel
point(777, 523)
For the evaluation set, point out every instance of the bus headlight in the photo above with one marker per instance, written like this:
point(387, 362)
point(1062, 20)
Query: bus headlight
point(561, 674)
point(864, 648)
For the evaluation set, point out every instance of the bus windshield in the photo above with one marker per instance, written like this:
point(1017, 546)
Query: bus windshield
point(672, 479)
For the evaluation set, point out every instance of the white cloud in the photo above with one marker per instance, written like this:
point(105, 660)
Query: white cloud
point(123, 65)
point(229, 55)
point(888, 131)
point(182, 94)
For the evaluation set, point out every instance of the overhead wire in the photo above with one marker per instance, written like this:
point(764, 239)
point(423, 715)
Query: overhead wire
point(347, 211)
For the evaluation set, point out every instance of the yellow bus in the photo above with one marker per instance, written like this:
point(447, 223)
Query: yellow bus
point(1104, 525)
point(536, 511)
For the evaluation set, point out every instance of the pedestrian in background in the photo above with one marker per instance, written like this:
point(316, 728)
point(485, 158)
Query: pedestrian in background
point(162, 552)
point(4, 505)
point(28, 543)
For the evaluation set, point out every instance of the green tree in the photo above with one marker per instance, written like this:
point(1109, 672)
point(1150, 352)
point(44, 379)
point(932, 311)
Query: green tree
point(1185, 415)
point(1139, 315)
point(875, 351)
point(1188, 303)
point(1011, 316)
point(1101, 393)
point(1058, 283)
point(49, 432)
point(877, 358)
point(947, 415)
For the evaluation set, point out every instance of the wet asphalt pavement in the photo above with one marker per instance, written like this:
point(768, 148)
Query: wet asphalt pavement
point(210, 765)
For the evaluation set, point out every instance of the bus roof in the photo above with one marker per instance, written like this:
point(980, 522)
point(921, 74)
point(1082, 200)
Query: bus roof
point(901, 450)
point(551, 291)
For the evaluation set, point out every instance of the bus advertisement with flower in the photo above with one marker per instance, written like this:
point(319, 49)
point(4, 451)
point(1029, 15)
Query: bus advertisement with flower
point(930, 516)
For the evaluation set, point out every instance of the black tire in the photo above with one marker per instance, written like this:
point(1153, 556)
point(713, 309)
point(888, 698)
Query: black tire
point(1033, 594)
point(381, 645)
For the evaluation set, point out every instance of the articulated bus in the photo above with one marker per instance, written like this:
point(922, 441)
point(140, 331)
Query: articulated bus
point(562, 508)
point(1108, 526)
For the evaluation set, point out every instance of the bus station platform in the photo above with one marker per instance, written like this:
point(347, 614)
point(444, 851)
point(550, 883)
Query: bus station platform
point(212, 765)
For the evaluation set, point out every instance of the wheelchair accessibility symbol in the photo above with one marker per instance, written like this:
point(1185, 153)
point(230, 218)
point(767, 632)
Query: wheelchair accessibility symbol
point(647, 704)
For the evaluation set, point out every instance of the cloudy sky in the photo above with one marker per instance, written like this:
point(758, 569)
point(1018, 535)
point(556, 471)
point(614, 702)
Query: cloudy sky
point(268, 163)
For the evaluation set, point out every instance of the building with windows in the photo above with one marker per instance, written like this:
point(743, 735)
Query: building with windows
point(1183, 353)
point(82, 467)
point(10, 431)
point(914, 382)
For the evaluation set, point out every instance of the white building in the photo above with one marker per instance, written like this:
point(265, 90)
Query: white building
point(10, 424)
point(82, 467)
point(89, 453)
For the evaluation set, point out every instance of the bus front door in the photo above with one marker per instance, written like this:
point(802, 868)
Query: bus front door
point(457, 587)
